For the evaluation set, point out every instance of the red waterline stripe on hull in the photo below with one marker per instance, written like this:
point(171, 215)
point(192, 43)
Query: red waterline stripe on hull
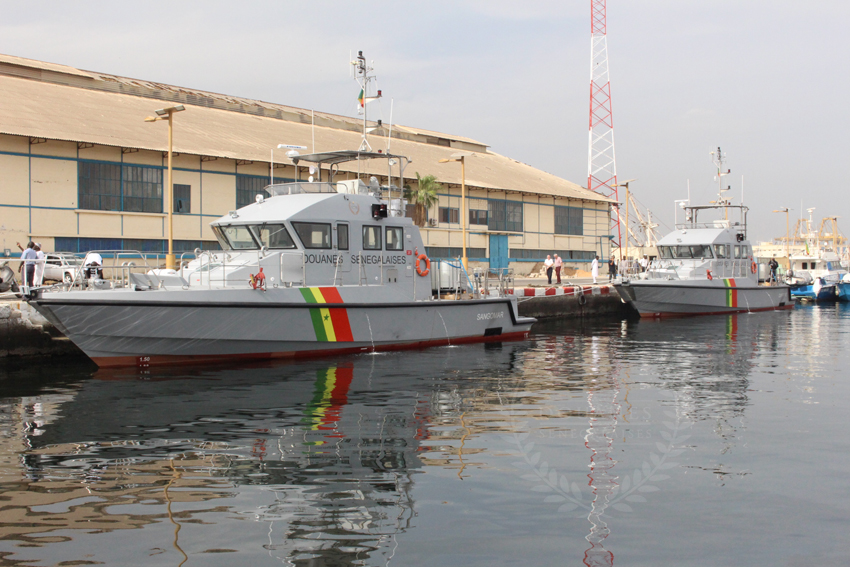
point(175, 360)
point(671, 315)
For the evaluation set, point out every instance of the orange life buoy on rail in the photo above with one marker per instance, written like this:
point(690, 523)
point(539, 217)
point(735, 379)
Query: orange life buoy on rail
point(708, 274)
point(419, 269)
point(753, 267)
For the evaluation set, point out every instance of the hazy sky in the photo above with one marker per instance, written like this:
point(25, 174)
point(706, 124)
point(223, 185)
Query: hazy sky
point(765, 80)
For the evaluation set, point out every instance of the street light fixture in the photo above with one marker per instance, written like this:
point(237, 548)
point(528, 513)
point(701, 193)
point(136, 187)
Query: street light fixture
point(626, 185)
point(787, 235)
point(460, 157)
point(167, 114)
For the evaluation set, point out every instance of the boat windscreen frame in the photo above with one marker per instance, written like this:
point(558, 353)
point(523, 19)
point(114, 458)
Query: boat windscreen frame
point(223, 230)
point(256, 231)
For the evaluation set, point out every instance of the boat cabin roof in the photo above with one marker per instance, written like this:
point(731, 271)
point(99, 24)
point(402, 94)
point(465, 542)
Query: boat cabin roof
point(322, 206)
point(342, 156)
point(700, 236)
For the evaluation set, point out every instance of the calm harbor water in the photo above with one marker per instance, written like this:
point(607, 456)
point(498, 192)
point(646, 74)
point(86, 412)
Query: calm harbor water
point(707, 441)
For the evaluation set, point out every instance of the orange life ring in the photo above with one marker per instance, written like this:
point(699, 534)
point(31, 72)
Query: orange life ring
point(708, 274)
point(419, 269)
point(753, 267)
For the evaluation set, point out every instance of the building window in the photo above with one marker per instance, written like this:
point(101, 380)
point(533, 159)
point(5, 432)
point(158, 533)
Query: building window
point(394, 238)
point(142, 189)
point(248, 187)
point(114, 187)
point(454, 252)
point(182, 199)
point(449, 215)
point(540, 255)
point(505, 216)
point(371, 237)
point(569, 220)
point(99, 186)
point(477, 216)
point(81, 245)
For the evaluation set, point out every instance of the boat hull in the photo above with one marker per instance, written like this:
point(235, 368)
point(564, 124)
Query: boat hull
point(161, 328)
point(829, 292)
point(661, 298)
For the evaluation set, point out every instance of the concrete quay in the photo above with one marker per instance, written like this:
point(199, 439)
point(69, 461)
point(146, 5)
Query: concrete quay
point(25, 333)
point(571, 299)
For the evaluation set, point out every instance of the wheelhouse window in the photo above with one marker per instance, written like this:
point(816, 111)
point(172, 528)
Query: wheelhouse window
point(313, 234)
point(273, 236)
point(395, 238)
point(342, 236)
point(239, 237)
point(685, 252)
point(722, 251)
point(371, 237)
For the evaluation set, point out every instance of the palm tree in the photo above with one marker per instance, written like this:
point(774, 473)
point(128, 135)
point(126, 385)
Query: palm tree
point(424, 197)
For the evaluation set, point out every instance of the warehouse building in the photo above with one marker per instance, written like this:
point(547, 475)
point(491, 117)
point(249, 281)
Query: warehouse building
point(81, 170)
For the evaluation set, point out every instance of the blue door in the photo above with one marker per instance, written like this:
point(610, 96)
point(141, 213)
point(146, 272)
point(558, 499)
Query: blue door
point(498, 251)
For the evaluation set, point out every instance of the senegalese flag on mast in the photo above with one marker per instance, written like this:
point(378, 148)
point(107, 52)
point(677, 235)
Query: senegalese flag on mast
point(360, 98)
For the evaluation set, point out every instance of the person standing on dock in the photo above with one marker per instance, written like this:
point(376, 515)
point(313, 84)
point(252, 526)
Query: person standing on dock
point(612, 269)
point(38, 278)
point(549, 265)
point(558, 264)
point(27, 263)
point(594, 268)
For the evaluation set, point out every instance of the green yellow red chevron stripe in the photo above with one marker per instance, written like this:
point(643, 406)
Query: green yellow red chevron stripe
point(731, 292)
point(330, 396)
point(330, 323)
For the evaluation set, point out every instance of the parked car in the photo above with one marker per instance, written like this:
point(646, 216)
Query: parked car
point(61, 266)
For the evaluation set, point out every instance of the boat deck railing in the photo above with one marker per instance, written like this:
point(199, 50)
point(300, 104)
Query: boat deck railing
point(114, 273)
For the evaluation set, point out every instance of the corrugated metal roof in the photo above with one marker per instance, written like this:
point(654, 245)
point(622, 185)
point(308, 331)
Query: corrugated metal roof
point(42, 109)
point(33, 64)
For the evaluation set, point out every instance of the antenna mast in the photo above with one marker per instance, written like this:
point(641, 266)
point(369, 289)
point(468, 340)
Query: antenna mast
point(364, 74)
point(601, 165)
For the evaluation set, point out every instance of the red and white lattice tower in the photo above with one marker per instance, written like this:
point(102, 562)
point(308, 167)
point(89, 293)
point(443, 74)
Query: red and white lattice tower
point(601, 165)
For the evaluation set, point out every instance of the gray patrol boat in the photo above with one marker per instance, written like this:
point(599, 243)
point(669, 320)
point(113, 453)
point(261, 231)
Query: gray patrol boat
point(704, 267)
point(315, 269)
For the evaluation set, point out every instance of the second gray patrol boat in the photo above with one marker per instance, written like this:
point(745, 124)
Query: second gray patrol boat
point(315, 269)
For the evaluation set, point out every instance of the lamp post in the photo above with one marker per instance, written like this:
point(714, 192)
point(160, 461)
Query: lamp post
point(167, 114)
point(787, 235)
point(460, 157)
point(626, 185)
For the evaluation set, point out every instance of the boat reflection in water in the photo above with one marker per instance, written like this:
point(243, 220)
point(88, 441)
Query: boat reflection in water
point(331, 449)
point(707, 373)
point(311, 463)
